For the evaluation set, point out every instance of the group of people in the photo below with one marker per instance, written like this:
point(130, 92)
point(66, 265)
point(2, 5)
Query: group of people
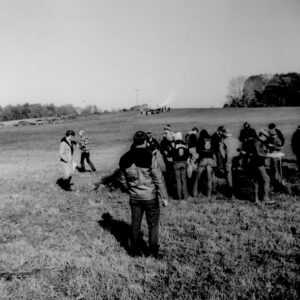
point(195, 159)
point(185, 161)
point(188, 158)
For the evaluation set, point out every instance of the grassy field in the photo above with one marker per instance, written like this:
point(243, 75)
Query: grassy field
point(59, 245)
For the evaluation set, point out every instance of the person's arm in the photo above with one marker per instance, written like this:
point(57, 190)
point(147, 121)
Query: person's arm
point(222, 149)
point(62, 154)
point(260, 150)
point(281, 137)
point(158, 180)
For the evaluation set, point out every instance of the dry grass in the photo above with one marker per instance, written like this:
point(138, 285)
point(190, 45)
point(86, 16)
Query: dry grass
point(56, 245)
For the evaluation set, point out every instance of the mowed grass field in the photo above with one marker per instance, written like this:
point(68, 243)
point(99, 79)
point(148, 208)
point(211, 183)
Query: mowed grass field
point(57, 245)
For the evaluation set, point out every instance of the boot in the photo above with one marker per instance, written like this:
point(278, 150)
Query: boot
point(154, 250)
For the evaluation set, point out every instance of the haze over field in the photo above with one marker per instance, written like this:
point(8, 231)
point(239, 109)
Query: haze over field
point(117, 53)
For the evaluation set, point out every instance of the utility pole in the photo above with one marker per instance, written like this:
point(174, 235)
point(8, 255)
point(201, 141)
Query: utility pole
point(137, 96)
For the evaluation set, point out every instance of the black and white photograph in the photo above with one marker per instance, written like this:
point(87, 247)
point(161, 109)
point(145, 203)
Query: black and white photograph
point(149, 149)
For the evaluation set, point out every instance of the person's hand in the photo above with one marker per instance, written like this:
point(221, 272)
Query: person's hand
point(165, 202)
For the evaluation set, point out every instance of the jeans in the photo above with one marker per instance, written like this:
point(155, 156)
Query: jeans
point(200, 171)
point(262, 183)
point(180, 170)
point(86, 156)
point(151, 208)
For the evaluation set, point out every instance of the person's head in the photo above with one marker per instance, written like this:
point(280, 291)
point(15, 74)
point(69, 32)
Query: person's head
point(271, 126)
point(149, 134)
point(195, 130)
point(246, 125)
point(263, 135)
point(140, 139)
point(81, 132)
point(178, 136)
point(204, 134)
point(70, 135)
point(167, 128)
point(221, 130)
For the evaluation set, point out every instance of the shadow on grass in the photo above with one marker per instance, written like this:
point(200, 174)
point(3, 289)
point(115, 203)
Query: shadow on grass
point(122, 232)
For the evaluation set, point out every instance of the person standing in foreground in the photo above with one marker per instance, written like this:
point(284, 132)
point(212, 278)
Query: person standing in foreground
point(84, 146)
point(66, 151)
point(143, 180)
point(296, 145)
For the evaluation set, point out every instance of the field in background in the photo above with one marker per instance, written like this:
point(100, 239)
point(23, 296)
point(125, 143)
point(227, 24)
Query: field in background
point(56, 245)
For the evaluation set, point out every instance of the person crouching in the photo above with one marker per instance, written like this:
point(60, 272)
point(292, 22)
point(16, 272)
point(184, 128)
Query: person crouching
point(143, 180)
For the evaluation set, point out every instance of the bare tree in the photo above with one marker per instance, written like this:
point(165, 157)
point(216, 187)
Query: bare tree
point(235, 90)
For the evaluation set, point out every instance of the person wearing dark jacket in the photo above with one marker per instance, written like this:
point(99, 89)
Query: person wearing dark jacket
point(180, 155)
point(296, 145)
point(152, 143)
point(247, 136)
point(143, 180)
point(206, 161)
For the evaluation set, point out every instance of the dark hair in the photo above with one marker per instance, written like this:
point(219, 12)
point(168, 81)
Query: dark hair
point(204, 134)
point(195, 129)
point(271, 126)
point(70, 132)
point(246, 125)
point(139, 138)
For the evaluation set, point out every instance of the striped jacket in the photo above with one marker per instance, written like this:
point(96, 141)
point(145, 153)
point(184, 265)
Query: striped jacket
point(84, 144)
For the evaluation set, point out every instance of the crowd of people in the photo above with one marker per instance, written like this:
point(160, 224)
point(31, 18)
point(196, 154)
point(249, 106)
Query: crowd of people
point(194, 160)
point(188, 162)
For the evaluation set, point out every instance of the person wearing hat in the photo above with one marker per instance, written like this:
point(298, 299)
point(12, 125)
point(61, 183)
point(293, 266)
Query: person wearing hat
point(230, 152)
point(206, 161)
point(258, 164)
point(66, 151)
point(180, 155)
point(143, 180)
point(296, 145)
point(84, 146)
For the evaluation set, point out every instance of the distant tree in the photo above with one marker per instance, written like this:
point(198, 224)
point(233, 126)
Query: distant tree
point(235, 91)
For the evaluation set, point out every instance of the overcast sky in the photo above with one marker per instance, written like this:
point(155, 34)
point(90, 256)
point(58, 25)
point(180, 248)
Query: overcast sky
point(178, 52)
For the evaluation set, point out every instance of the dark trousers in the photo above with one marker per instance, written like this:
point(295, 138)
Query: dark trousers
point(86, 156)
point(151, 208)
point(180, 170)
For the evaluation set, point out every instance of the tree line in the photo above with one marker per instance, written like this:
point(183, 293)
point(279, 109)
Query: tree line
point(264, 90)
point(29, 111)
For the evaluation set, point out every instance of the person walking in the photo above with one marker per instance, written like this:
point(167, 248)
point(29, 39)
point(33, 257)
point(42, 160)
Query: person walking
point(84, 146)
point(180, 155)
point(206, 161)
point(143, 180)
point(296, 145)
point(66, 151)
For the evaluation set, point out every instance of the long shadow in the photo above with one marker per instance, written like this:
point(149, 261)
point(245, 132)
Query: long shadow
point(122, 232)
